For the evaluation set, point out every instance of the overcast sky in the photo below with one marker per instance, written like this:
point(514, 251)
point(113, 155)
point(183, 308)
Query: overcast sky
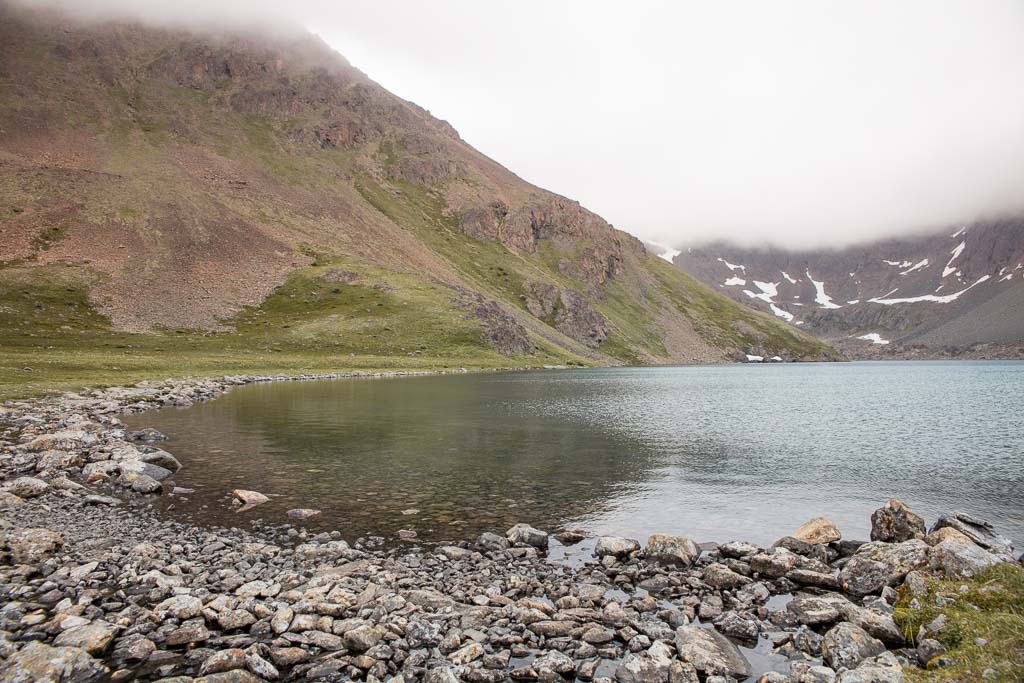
point(796, 123)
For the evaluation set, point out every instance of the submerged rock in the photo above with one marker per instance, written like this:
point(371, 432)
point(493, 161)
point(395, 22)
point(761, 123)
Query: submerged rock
point(303, 513)
point(249, 499)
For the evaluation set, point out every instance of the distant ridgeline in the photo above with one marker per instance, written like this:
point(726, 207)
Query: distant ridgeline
point(957, 293)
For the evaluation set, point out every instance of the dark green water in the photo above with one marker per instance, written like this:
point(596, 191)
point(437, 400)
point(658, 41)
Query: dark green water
point(715, 453)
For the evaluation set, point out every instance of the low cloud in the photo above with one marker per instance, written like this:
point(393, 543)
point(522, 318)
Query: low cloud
point(799, 124)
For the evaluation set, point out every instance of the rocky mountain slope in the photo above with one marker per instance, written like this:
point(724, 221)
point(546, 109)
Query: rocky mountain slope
point(247, 192)
point(959, 292)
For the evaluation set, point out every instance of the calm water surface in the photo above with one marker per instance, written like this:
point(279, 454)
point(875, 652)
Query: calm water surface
point(715, 453)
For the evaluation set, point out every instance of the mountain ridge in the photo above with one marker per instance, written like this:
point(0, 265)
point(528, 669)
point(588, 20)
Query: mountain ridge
point(239, 189)
point(956, 292)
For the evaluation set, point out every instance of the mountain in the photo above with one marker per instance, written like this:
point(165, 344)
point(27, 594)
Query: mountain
point(955, 293)
point(251, 193)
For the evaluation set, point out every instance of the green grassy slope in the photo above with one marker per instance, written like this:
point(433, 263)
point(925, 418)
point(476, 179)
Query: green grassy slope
point(174, 204)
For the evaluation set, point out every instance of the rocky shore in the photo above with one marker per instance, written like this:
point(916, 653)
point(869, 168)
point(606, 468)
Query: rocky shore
point(95, 586)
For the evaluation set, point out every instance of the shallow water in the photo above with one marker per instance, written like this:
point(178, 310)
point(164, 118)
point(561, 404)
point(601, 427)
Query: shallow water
point(715, 453)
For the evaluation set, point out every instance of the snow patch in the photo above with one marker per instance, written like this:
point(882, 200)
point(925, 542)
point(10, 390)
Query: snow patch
point(732, 266)
point(735, 281)
point(956, 252)
point(923, 263)
point(959, 232)
point(667, 253)
point(785, 315)
point(874, 338)
point(929, 297)
point(769, 290)
point(901, 264)
point(1006, 277)
point(853, 301)
point(786, 275)
point(822, 298)
point(754, 359)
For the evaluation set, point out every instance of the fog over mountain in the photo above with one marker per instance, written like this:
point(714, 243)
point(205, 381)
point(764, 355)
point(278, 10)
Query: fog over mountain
point(799, 124)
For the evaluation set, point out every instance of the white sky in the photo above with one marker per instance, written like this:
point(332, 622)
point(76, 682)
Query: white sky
point(797, 123)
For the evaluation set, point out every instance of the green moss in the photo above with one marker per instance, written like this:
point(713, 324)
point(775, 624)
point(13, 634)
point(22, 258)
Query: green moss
point(988, 607)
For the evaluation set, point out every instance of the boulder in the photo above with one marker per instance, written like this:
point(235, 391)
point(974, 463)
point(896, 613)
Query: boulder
point(894, 522)
point(27, 487)
point(710, 652)
point(68, 440)
point(95, 638)
point(224, 660)
point(147, 434)
point(490, 542)
point(31, 546)
point(162, 459)
point(145, 484)
point(719, 576)
point(249, 499)
point(846, 645)
point(959, 558)
point(775, 563)
point(524, 534)
point(180, 607)
point(9, 500)
point(884, 668)
point(616, 546)
point(56, 461)
point(677, 550)
point(738, 549)
point(876, 565)
point(37, 662)
point(818, 530)
point(978, 530)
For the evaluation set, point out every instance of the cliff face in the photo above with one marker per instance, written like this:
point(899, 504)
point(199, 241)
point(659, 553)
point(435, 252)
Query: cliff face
point(185, 180)
point(952, 293)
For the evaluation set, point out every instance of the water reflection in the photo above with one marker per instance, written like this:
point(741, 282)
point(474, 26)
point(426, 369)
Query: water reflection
point(711, 452)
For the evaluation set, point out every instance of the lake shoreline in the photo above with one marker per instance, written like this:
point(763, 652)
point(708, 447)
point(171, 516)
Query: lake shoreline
point(97, 581)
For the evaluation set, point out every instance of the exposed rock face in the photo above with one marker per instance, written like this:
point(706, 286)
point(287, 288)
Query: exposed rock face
point(895, 522)
point(818, 530)
point(501, 331)
point(568, 312)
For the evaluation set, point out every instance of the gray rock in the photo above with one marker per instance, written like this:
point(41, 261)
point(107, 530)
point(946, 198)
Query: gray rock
point(616, 546)
point(928, 649)
point(556, 662)
point(249, 499)
point(27, 487)
point(162, 459)
point(978, 530)
point(224, 660)
point(179, 607)
point(719, 576)
point(710, 652)
point(362, 638)
point(95, 638)
point(881, 669)
point(677, 550)
point(145, 484)
point(961, 559)
point(489, 542)
point(877, 565)
point(303, 513)
point(526, 535)
point(775, 563)
point(846, 645)
point(191, 631)
point(39, 663)
point(9, 500)
point(31, 546)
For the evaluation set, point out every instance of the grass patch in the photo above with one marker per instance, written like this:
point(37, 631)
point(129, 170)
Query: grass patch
point(990, 607)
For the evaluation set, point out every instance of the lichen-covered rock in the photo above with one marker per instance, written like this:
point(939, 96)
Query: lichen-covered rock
point(95, 638)
point(960, 558)
point(677, 550)
point(31, 546)
point(895, 522)
point(27, 487)
point(38, 663)
point(877, 565)
point(846, 645)
point(615, 546)
point(719, 576)
point(982, 533)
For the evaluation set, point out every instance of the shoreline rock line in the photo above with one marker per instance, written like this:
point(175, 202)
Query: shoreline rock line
point(96, 586)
